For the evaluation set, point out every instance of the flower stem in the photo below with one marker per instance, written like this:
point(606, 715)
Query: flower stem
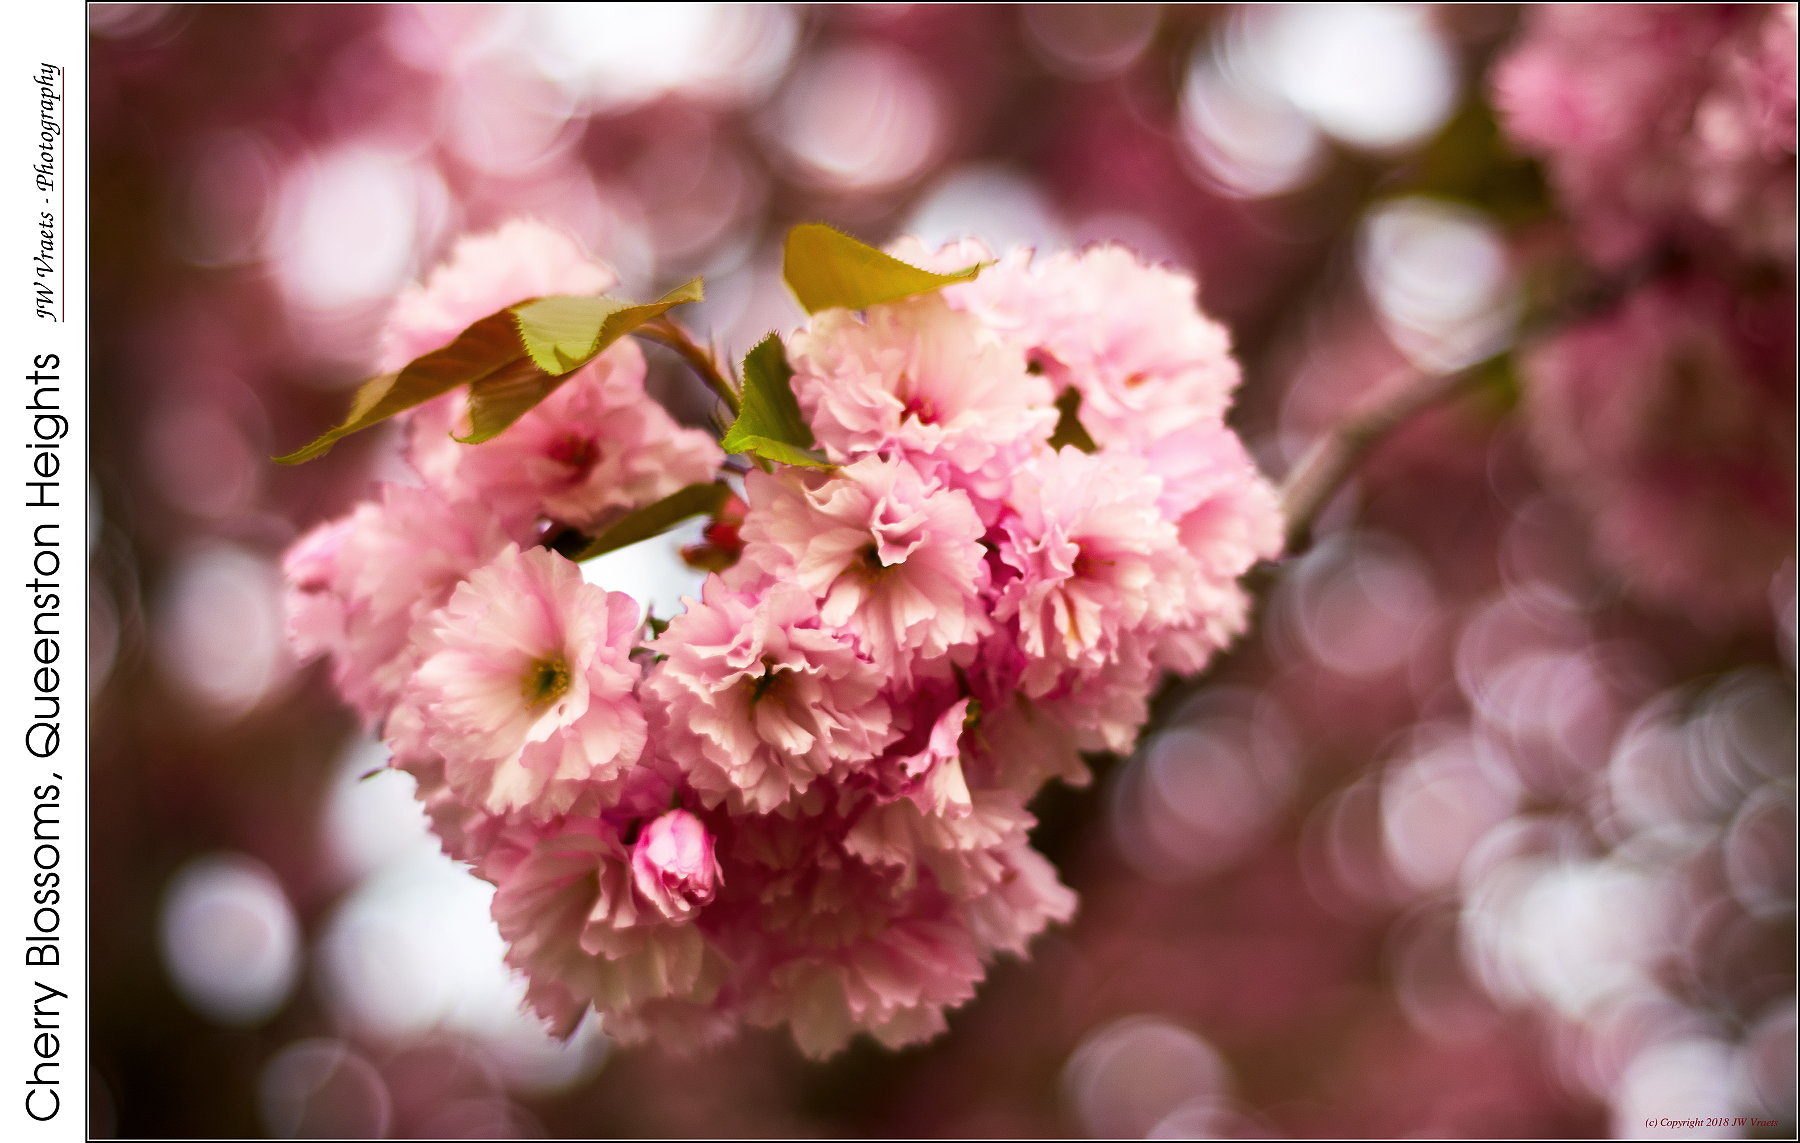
point(701, 361)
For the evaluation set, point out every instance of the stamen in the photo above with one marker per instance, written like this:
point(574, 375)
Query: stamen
point(1084, 565)
point(546, 680)
point(767, 680)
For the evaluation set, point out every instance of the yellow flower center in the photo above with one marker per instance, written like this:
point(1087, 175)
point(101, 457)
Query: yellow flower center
point(546, 680)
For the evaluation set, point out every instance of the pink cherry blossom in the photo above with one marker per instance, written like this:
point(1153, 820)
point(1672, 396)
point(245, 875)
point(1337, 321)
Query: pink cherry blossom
point(566, 903)
point(957, 849)
point(672, 865)
point(316, 613)
point(1105, 707)
point(912, 947)
point(917, 377)
point(847, 944)
point(923, 764)
point(761, 699)
point(1019, 745)
point(1020, 903)
point(804, 803)
point(528, 690)
point(889, 555)
point(1656, 119)
point(1228, 517)
point(1125, 335)
point(1744, 137)
point(360, 586)
point(1092, 557)
point(894, 985)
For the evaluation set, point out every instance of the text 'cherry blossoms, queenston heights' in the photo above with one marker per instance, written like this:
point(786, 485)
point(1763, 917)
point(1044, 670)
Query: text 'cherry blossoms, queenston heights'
point(980, 505)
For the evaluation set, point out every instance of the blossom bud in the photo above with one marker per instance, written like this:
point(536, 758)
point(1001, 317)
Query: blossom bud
point(673, 866)
point(720, 545)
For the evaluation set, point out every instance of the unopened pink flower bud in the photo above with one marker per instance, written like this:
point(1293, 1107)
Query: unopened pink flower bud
point(673, 866)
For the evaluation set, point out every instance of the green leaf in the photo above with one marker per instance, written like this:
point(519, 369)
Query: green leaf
point(769, 424)
point(657, 518)
point(781, 452)
point(510, 360)
point(560, 334)
point(826, 268)
point(1069, 429)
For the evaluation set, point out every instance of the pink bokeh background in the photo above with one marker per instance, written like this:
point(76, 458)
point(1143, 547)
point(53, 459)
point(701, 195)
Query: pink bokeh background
point(1486, 829)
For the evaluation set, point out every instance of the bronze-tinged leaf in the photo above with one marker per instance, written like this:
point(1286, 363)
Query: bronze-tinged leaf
point(510, 360)
point(560, 335)
point(488, 347)
point(502, 397)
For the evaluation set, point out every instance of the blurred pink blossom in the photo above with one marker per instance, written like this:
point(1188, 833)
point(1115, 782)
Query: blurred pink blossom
point(1671, 420)
point(1653, 119)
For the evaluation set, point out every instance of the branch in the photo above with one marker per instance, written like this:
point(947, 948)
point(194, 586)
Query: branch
point(1326, 466)
point(1308, 488)
point(701, 361)
point(1318, 476)
point(1329, 463)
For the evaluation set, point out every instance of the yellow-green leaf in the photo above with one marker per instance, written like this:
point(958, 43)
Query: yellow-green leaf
point(769, 424)
point(827, 268)
point(564, 333)
point(780, 451)
point(560, 334)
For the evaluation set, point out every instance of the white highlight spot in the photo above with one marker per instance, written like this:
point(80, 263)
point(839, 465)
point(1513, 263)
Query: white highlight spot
point(229, 938)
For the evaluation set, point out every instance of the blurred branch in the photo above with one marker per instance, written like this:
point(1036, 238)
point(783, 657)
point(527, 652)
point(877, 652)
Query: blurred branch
point(665, 332)
point(1329, 463)
point(1309, 487)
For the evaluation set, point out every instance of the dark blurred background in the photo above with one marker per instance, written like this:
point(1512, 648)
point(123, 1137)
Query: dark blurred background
point(1466, 839)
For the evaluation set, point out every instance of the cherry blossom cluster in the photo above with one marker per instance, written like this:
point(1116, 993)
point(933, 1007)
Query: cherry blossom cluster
point(1660, 120)
point(803, 800)
point(1668, 135)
